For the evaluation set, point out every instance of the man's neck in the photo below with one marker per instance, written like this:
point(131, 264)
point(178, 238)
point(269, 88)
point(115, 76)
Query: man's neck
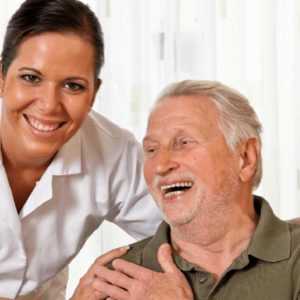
point(213, 244)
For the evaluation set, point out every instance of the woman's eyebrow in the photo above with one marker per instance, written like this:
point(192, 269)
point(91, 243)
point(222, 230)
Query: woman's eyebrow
point(30, 69)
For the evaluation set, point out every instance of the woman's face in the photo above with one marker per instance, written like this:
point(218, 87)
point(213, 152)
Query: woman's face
point(47, 92)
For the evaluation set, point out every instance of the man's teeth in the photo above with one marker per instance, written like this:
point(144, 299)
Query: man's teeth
point(175, 189)
point(41, 126)
point(176, 185)
point(175, 193)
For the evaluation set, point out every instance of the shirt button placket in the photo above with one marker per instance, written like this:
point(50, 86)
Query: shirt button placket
point(202, 279)
point(201, 288)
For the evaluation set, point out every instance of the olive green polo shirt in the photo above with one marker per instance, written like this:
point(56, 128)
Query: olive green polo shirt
point(268, 270)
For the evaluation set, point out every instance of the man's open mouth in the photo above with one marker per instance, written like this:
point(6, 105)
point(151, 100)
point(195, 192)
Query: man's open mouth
point(176, 189)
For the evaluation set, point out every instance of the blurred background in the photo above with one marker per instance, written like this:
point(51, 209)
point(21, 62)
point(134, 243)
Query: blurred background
point(251, 45)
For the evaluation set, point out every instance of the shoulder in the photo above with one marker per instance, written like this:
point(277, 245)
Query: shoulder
point(96, 123)
point(105, 140)
point(294, 261)
point(135, 253)
point(294, 229)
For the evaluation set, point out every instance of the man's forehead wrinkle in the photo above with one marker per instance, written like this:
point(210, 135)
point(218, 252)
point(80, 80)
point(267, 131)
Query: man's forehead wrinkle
point(148, 139)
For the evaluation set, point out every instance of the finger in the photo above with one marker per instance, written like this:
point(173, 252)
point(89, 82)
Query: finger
point(110, 290)
point(165, 259)
point(131, 269)
point(105, 259)
point(99, 295)
point(87, 292)
point(110, 255)
point(114, 277)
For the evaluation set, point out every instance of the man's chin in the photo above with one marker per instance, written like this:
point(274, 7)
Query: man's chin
point(178, 221)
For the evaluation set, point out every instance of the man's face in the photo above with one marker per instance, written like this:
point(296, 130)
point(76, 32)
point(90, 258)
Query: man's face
point(189, 169)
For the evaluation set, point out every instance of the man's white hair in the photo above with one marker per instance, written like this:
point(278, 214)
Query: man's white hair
point(238, 120)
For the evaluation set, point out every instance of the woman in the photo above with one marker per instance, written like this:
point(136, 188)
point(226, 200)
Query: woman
point(63, 167)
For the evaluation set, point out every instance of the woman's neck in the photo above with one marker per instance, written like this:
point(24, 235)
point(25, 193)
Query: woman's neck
point(22, 175)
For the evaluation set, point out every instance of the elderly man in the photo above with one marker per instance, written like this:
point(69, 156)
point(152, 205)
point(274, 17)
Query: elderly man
point(202, 160)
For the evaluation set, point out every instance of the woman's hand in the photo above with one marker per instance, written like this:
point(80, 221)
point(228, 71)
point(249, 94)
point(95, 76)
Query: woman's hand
point(133, 282)
point(89, 287)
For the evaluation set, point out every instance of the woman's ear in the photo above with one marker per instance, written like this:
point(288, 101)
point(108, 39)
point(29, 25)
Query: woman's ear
point(1, 80)
point(97, 86)
point(249, 152)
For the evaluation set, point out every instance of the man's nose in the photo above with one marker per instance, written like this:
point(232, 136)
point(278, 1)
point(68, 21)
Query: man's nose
point(50, 99)
point(166, 162)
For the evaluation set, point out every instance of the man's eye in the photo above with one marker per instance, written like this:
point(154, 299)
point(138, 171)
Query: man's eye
point(74, 86)
point(149, 150)
point(183, 142)
point(31, 78)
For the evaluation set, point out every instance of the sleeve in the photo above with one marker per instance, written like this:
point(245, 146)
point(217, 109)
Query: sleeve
point(294, 261)
point(54, 288)
point(135, 210)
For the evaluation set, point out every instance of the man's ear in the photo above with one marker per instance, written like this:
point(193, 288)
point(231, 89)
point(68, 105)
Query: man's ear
point(97, 86)
point(249, 152)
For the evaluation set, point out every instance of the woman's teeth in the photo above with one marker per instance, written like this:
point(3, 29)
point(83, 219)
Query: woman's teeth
point(38, 125)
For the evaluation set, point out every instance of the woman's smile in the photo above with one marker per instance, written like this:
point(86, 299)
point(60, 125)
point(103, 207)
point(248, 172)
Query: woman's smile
point(47, 92)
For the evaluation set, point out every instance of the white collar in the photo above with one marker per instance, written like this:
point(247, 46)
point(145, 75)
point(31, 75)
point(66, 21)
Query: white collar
point(68, 161)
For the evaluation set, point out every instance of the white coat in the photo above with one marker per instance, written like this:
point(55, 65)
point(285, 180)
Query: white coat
point(96, 175)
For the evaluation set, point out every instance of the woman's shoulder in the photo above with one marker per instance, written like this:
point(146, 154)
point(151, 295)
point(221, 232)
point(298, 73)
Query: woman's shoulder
point(100, 125)
point(106, 140)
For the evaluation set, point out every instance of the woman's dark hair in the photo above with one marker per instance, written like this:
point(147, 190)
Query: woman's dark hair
point(38, 16)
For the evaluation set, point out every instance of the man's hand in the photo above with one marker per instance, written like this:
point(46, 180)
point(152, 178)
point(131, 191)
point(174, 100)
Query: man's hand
point(133, 282)
point(88, 288)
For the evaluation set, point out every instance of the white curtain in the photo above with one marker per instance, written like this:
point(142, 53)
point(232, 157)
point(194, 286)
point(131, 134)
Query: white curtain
point(251, 45)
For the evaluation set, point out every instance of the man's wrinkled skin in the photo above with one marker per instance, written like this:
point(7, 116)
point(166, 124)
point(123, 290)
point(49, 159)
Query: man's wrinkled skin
point(130, 281)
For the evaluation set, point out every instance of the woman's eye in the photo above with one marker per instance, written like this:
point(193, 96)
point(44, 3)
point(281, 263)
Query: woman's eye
point(74, 86)
point(31, 78)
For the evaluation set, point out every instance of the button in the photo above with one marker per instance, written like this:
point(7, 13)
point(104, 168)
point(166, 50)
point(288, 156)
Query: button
point(202, 279)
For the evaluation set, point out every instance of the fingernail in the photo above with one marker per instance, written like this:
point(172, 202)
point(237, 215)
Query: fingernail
point(126, 248)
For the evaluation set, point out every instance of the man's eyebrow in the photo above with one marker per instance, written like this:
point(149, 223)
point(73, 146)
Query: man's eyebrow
point(147, 139)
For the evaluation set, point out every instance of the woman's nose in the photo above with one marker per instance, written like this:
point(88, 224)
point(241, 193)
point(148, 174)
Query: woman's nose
point(49, 100)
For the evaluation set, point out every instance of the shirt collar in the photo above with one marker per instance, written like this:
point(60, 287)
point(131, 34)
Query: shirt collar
point(149, 257)
point(271, 241)
point(68, 161)
point(150, 251)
